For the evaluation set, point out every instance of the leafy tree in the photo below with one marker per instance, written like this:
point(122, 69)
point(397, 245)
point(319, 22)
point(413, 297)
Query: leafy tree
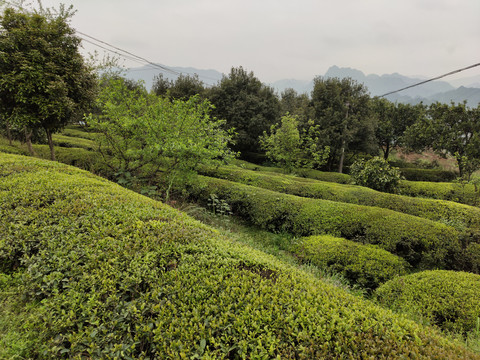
point(450, 129)
point(290, 148)
point(183, 87)
point(376, 173)
point(298, 105)
point(44, 79)
point(392, 122)
point(143, 133)
point(247, 105)
point(343, 114)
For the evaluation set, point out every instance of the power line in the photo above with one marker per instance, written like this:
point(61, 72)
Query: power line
point(432, 79)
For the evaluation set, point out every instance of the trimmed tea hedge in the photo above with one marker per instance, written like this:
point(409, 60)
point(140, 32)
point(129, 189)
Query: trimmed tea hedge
point(365, 265)
point(461, 193)
point(75, 142)
point(106, 273)
point(433, 175)
point(468, 216)
point(423, 243)
point(305, 173)
point(447, 299)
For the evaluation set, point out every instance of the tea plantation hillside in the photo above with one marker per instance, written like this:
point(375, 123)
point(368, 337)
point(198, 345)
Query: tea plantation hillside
point(91, 270)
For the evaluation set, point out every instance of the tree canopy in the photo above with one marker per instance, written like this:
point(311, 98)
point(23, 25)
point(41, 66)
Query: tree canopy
point(247, 105)
point(44, 79)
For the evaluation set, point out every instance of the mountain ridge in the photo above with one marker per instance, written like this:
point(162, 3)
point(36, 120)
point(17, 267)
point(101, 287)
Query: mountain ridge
point(377, 85)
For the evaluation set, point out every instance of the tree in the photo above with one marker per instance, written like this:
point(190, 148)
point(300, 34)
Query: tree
point(392, 122)
point(450, 129)
point(247, 105)
point(343, 114)
point(143, 133)
point(45, 80)
point(184, 87)
point(289, 148)
point(298, 105)
point(376, 173)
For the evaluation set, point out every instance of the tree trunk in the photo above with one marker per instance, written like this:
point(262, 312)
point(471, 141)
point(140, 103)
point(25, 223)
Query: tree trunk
point(50, 144)
point(386, 152)
point(9, 134)
point(342, 157)
point(28, 140)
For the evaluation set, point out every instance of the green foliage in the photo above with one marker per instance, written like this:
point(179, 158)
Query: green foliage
point(423, 243)
point(365, 265)
point(343, 115)
point(459, 214)
point(184, 87)
point(247, 105)
point(290, 149)
point(143, 133)
point(392, 121)
point(447, 299)
point(433, 175)
point(376, 173)
point(44, 79)
point(450, 129)
point(108, 273)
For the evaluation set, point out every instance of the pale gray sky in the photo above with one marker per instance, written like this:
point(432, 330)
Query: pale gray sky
point(281, 39)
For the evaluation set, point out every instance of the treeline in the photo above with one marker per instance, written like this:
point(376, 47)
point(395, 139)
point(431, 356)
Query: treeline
point(338, 115)
point(47, 84)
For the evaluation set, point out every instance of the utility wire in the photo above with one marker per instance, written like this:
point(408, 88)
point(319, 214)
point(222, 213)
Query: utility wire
point(432, 79)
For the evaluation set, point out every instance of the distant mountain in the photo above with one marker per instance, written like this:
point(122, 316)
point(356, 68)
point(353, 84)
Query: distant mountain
point(377, 85)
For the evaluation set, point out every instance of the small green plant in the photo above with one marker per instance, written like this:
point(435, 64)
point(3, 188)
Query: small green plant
point(376, 174)
point(219, 206)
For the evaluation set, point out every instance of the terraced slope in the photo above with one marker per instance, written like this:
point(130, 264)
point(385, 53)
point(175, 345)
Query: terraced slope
point(104, 272)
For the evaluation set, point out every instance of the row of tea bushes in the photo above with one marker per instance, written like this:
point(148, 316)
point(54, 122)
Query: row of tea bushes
point(305, 173)
point(365, 265)
point(461, 193)
point(106, 273)
point(422, 242)
point(438, 210)
point(447, 299)
point(432, 175)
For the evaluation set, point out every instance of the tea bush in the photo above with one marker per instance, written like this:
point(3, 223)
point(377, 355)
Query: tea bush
point(431, 209)
point(423, 243)
point(447, 299)
point(432, 175)
point(375, 173)
point(107, 273)
point(365, 265)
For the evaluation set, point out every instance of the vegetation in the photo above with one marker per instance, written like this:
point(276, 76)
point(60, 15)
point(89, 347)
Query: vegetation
point(447, 211)
point(366, 265)
point(376, 173)
point(447, 299)
point(421, 242)
point(247, 105)
point(142, 133)
point(167, 285)
point(44, 79)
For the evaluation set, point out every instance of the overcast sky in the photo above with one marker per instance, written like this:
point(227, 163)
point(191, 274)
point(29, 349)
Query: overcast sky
point(282, 39)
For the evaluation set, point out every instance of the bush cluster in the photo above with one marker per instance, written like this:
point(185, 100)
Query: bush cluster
point(365, 265)
point(432, 175)
point(107, 273)
point(376, 173)
point(423, 243)
point(437, 210)
point(447, 299)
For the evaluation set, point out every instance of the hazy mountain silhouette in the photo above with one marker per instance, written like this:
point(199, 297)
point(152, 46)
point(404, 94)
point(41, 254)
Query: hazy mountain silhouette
point(377, 85)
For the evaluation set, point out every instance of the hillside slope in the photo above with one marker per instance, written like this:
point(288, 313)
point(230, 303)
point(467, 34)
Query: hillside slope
point(104, 272)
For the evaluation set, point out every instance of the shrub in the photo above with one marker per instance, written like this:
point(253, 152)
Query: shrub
point(375, 173)
point(433, 175)
point(107, 273)
point(437, 210)
point(462, 193)
point(365, 265)
point(421, 242)
point(447, 299)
